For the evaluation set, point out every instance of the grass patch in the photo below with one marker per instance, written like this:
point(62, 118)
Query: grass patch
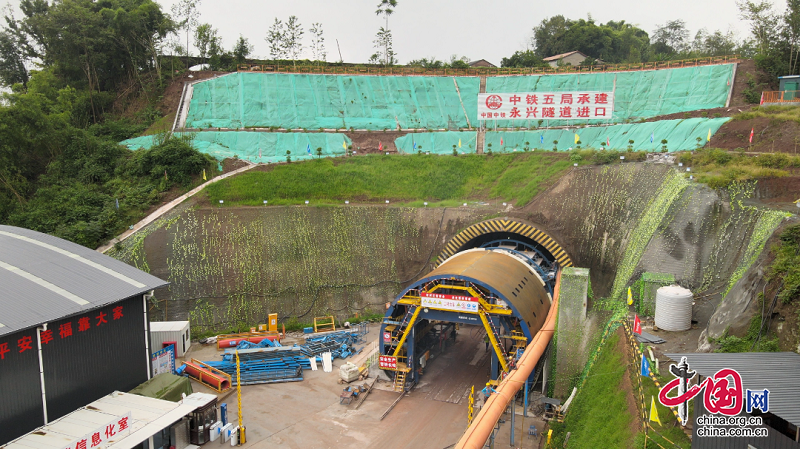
point(439, 180)
point(719, 168)
point(162, 125)
point(598, 415)
point(670, 429)
point(778, 113)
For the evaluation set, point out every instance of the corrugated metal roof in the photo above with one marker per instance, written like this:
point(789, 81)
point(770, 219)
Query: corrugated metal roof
point(779, 372)
point(45, 278)
point(168, 326)
point(147, 417)
point(563, 55)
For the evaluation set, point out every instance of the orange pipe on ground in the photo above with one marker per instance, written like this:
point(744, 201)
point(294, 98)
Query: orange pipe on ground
point(203, 375)
point(481, 428)
point(233, 342)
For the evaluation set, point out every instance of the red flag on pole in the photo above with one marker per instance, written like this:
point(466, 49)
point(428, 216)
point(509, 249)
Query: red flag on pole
point(762, 99)
point(608, 142)
point(501, 141)
point(637, 325)
point(380, 146)
point(751, 134)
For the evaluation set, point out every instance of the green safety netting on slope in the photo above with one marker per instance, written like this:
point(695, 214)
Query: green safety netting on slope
point(680, 135)
point(258, 146)
point(297, 101)
point(639, 94)
point(438, 142)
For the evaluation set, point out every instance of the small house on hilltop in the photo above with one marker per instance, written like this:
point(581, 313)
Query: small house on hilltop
point(571, 58)
point(481, 63)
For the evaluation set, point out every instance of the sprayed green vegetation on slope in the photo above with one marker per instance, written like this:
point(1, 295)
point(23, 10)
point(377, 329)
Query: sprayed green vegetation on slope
point(720, 168)
point(653, 215)
point(508, 177)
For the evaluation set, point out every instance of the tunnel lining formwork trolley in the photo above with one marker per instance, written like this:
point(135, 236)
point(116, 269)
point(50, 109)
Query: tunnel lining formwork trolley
point(505, 286)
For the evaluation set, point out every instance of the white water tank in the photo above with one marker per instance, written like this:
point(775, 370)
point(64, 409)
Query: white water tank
point(673, 308)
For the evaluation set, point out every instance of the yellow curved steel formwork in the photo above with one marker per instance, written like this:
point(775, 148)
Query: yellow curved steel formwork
point(505, 225)
point(508, 275)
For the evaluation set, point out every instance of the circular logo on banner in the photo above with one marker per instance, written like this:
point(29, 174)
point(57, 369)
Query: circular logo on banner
point(387, 336)
point(494, 102)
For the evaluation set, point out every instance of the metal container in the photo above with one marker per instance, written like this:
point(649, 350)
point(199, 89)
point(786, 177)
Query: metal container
point(673, 308)
point(170, 331)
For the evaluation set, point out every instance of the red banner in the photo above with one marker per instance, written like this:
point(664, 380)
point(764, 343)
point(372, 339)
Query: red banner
point(387, 362)
point(455, 303)
point(545, 106)
point(449, 297)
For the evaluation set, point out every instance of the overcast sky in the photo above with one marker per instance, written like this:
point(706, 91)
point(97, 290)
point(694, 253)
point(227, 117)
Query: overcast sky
point(479, 29)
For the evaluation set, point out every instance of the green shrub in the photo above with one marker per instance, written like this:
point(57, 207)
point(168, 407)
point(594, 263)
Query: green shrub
point(774, 160)
point(173, 156)
point(786, 266)
point(731, 343)
point(752, 93)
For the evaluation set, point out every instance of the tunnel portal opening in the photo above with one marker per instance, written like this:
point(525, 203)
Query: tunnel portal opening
point(504, 286)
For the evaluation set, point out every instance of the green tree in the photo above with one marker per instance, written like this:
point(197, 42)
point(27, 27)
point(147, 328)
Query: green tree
point(186, 16)
point(383, 43)
point(431, 63)
point(714, 44)
point(275, 38)
point(548, 36)
point(527, 58)
point(386, 7)
point(318, 42)
point(457, 62)
point(97, 45)
point(763, 22)
point(293, 38)
point(241, 50)
point(792, 30)
point(12, 61)
point(671, 38)
point(611, 42)
point(207, 40)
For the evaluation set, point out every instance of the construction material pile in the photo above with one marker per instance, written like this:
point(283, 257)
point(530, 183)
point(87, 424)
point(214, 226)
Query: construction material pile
point(341, 344)
point(265, 365)
point(269, 362)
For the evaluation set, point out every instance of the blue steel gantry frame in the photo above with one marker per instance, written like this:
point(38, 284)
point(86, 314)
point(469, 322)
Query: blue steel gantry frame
point(502, 303)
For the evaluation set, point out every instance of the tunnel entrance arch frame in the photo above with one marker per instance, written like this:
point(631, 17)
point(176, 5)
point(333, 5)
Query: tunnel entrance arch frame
point(493, 229)
point(510, 291)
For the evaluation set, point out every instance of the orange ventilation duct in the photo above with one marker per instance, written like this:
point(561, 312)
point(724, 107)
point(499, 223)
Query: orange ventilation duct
point(482, 426)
